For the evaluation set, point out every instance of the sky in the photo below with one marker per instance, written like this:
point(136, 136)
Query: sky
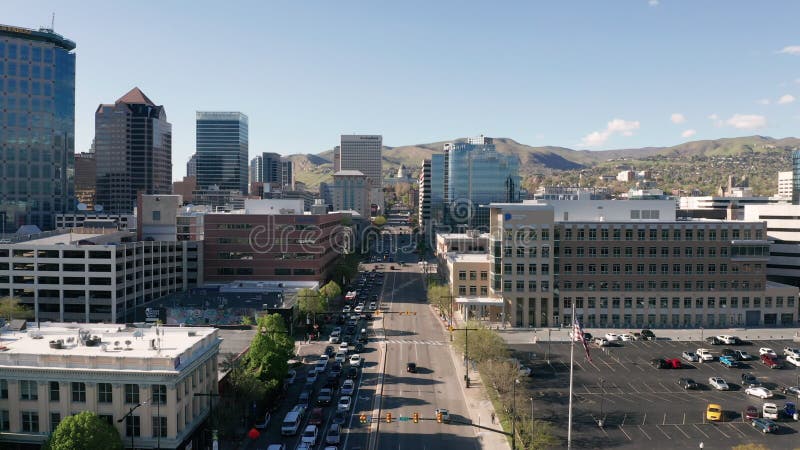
point(580, 74)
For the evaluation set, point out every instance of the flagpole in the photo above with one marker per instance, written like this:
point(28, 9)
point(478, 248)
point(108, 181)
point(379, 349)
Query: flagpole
point(571, 365)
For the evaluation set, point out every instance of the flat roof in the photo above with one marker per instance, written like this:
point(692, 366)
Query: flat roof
point(477, 301)
point(469, 257)
point(115, 341)
point(42, 34)
point(74, 238)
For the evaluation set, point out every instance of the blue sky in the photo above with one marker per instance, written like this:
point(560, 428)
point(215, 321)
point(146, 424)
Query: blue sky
point(580, 74)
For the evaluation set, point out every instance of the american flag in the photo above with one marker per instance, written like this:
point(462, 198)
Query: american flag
point(577, 334)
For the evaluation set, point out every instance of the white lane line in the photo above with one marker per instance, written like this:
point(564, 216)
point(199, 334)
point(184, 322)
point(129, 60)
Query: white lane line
point(663, 432)
point(720, 431)
point(678, 427)
point(644, 433)
point(736, 429)
point(626, 434)
point(701, 431)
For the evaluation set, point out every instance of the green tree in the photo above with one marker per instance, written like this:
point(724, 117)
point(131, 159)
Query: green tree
point(11, 309)
point(247, 320)
point(271, 349)
point(346, 269)
point(379, 221)
point(484, 344)
point(82, 431)
point(311, 301)
point(330, 291)
point(439, 297)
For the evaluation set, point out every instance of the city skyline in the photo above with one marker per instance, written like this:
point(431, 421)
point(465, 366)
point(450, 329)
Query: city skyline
point(580, 75)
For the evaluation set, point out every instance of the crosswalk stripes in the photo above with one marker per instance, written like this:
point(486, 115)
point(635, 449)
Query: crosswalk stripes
point(412, 341)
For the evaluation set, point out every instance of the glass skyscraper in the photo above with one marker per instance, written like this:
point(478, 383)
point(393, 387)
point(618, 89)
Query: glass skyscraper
point(796, 177)
point(37, 127)
point(222, 151)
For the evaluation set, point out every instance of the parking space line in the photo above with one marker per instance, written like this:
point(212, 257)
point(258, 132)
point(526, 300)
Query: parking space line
point(626, 434)
point(663, 432)
point(735, 428)
point(678, 427)
point(644, 433)
point(701, 431)
point(579, 366)
point(609, 365)
point(720, 431)
point(634, 388)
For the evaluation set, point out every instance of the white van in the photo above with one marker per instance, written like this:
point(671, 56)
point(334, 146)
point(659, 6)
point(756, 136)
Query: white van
point(291, 423)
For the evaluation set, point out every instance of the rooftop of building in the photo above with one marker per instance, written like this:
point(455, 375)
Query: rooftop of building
point(468, 257)
point(42, 34)
point(462, 235)
point(48, 340)
point(349, 173)
point(74, 236)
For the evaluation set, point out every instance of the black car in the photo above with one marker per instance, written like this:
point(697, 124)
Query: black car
point(411, 367)
point(359, 348)
point(729, 353)
point(330, 351)
point(648, 335)
point(587, 337)
point(748, 379)
point(659, 363)
point(687, 383)
point(352, 373)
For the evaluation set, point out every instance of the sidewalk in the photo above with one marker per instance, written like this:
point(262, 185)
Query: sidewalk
point(477, 399)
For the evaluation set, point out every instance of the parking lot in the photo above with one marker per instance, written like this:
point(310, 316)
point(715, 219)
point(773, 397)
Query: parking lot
point(644, 407)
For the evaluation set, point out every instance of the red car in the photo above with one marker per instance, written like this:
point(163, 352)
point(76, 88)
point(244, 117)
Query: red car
point(674, 363)
point(751, 413)
point(770, 362)
point(316, 417)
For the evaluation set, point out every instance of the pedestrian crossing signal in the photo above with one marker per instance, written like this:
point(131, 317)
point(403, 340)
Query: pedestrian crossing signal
point(362, 418)
point(388, 417)
point(408, 313)
point(416, 417)
point(439, 417)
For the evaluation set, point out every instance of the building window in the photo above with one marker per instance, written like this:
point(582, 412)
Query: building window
point(462, 275)
point(78, 392)
point(30, 422)
point(473, 275)
point(55, 419)
point(520, 286)
point(156, 216)
point(28, 390)
point(132, 394)
point(159, 394)
point(55, 391)
point(484, 275)
point(5, 420)
point(104, 393)
point(520, 269)
point(484, 291)
point(462, 290)
point(3, 388)
point(473, 291)
point(159, 426)
point(132, 426)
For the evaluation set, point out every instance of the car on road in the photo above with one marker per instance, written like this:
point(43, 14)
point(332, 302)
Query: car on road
point(767, 351)
point(316, 416)
point(373, 306)
point(770, 361)
point(325, 397)
point(348, 387)
point(359, 308)
point(340, 418)
point(758, 391)
point(262, 424)
point(714, 412)
point(690, 356)
point(305, 397)
point(334, 435)
point(336, 369)
point(329, 351)
point(793, 360)
point(411, 367)
point(311, 377)
point(704, 354)
point(791, 351)
point(310, 435)
point(345, 402)
point(750, 380)
point(355, 360)
point(276, 447)
point(728, 361)
point(648, 335)
point(612, 337)
point(320, 366)
point(770, 411)
point(340, 357)
point(765, 425)
point(352, 373)
point(346, 309)
point(751, 412)
point(359, 347)
point(343, 347)
point(445, 414)
point(718, 383)
point(687, 383)
point(793, 391)
point(335, 338)
point(291, 376)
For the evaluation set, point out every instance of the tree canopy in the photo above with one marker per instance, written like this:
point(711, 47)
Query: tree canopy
point(439, 296)
point(84, 430)
point(11, 309)
point(330, 291)
point(311, 301)
point(379, 221)
point(484, 344)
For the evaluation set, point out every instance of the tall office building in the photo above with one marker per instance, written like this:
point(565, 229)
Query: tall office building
point(271, 169)
point(85, 178)
point(191, 166)
point(37, 138)
point(796, 177)
point(222, 151)
point(256, 169)
point(287, 173)
point(133, 151)
point(363, 153)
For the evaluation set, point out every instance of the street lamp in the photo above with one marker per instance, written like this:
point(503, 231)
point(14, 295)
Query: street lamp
point(130, 414)
point(513, 416)
point(532, 422)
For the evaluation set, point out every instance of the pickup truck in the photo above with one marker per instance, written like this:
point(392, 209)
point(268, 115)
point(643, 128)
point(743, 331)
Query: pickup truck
point(728, 361)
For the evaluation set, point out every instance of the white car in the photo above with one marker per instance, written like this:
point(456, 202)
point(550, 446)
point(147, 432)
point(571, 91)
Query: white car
point(348, 387)
point(728, 339)
point(627, 337)
point(310, 435)
point(689, 356)
point(611, 337)
point(334, 434)
point(343, 347)
point(355, 360)
point(373, 306)
point(340, 357)
point(788, 351)
point(767, 351)
point(794, 360)
point(718, 383)
point(704, 354)
point(758, 391)
point(346, 309)
point(770, 411)
point(344, 403)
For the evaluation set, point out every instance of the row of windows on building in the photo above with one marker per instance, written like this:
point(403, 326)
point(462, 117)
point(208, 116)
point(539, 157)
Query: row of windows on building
point(30, 423)
point(92, 254)
point(277, 271)
point(639, 252)
point(29, 390)
point(662, 285)
point(653, 269)
point(653, 234)
point(13, 51)
point(678, 302)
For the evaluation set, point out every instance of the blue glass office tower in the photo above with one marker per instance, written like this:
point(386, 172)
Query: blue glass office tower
point(796, 177)
point(37, 127)
point(222, 151)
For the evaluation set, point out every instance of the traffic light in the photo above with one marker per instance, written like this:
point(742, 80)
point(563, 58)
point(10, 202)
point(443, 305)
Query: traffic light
point(362, 418)
point(416, 417)
point(439, 417)
point(388, 417)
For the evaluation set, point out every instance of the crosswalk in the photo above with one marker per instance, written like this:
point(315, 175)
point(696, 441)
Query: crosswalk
point(413, 341)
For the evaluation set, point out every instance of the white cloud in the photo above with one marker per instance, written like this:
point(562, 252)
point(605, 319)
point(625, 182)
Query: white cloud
point(677, 118)
point(653, 2)
point(715, 118)
point(790, 50)
point(786, 99)
point(688, 133)
point(747, 121)
point(763, 101)
point(621, 126)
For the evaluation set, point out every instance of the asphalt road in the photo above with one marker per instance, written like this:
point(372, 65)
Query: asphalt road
point(644, 407)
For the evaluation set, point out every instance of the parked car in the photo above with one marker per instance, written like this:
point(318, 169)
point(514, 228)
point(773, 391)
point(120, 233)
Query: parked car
point(793, 391)
point(659, 363)
point(687, 383)
point(728, 339)
point(713, 340)
point(690, 356)
point(714, 412)
point(704, 354)
point(770, 361)
point(767, 351)
point(742, 355)
point(770, 411)
point(758, 391)
point(648, 335)
point(601, 342)
point(627, 337)
point(793, 360)
point(674, 363)
point(718, 383)
point(791, 351)
point(751, 412)
point(765, 425)
point(727, 352)
point(750, 380)
point(612, 337)
point(728, 361)
point(789, 410)
point(411, 367)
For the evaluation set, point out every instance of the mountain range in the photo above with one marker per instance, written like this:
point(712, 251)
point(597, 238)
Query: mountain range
point(313, 169)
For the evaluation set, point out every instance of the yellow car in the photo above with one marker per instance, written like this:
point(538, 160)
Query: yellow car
point(714, 412)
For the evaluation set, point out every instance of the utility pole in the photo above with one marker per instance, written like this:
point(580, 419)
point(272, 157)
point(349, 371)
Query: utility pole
point(211, 396)
point(130, 414)
point(466, 348)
